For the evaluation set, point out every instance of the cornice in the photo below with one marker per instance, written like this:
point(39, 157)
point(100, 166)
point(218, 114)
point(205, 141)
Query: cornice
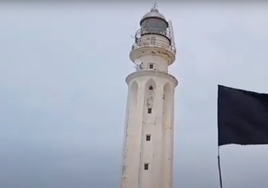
point(151, 73)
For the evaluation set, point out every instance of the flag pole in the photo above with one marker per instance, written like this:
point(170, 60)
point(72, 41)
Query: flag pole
point(219, 167)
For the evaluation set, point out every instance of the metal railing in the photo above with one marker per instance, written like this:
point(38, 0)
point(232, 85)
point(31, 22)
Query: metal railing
point(153, 43)
point(143, 31)
point(155, 31)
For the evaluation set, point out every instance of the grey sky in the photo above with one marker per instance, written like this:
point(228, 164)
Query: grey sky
point(63, 94)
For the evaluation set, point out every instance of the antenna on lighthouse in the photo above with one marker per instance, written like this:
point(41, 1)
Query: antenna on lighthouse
point(154, 6)
point(171, 33)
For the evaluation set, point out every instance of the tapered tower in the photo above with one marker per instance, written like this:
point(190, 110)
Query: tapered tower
point(149, 126)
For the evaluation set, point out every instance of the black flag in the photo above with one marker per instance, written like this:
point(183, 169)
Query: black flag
point(242, 117)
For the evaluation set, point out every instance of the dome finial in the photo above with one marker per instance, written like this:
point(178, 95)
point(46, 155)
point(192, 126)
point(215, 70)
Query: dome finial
point(154, 7)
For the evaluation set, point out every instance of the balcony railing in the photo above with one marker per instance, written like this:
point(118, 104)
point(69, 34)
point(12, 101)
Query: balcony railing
point(157, 31)
point(154, 43)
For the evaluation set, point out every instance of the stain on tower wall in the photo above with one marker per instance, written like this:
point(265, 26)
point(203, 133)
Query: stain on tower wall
point(133, 94)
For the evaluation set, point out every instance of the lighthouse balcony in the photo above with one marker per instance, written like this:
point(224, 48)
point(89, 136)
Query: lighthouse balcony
point(153, 38)
point(158, 43)
point(154, 43)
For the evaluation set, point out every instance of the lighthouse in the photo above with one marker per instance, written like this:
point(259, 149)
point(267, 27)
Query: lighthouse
point(149, 124)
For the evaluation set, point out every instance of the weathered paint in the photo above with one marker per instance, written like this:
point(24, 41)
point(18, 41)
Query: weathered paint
point(158, 152)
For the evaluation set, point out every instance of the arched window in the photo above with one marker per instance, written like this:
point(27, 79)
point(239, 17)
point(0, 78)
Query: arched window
point(151, 88)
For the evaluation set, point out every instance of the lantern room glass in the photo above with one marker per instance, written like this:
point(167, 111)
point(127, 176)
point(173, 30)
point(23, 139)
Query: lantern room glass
point(154, 25)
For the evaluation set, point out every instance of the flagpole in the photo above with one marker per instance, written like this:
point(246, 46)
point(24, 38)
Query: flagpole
point(219, 167)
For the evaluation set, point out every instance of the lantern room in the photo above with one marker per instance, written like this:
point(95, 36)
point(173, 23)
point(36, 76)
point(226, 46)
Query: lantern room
point(153, 22)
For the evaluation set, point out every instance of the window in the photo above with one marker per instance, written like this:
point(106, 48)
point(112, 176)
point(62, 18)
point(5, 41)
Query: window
point(151, 66)
point(146, 166)
point(151, 88)
point(148, 137)
point(149, 110)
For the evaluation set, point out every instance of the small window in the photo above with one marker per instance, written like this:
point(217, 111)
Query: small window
point(148, 137)
point(151, 66)
point(151, 88)
point(149, 110)
point(146, 166)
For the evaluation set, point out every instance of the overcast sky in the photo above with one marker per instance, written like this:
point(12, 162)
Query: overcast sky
point(63, 91)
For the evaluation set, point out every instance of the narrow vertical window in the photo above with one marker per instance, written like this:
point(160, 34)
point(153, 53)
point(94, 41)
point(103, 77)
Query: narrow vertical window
point(151, 65)
point(149, 110)
point(148, 137)
point(146, 166)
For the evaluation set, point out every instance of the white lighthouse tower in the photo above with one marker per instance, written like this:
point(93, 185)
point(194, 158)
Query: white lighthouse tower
point(149, 126)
